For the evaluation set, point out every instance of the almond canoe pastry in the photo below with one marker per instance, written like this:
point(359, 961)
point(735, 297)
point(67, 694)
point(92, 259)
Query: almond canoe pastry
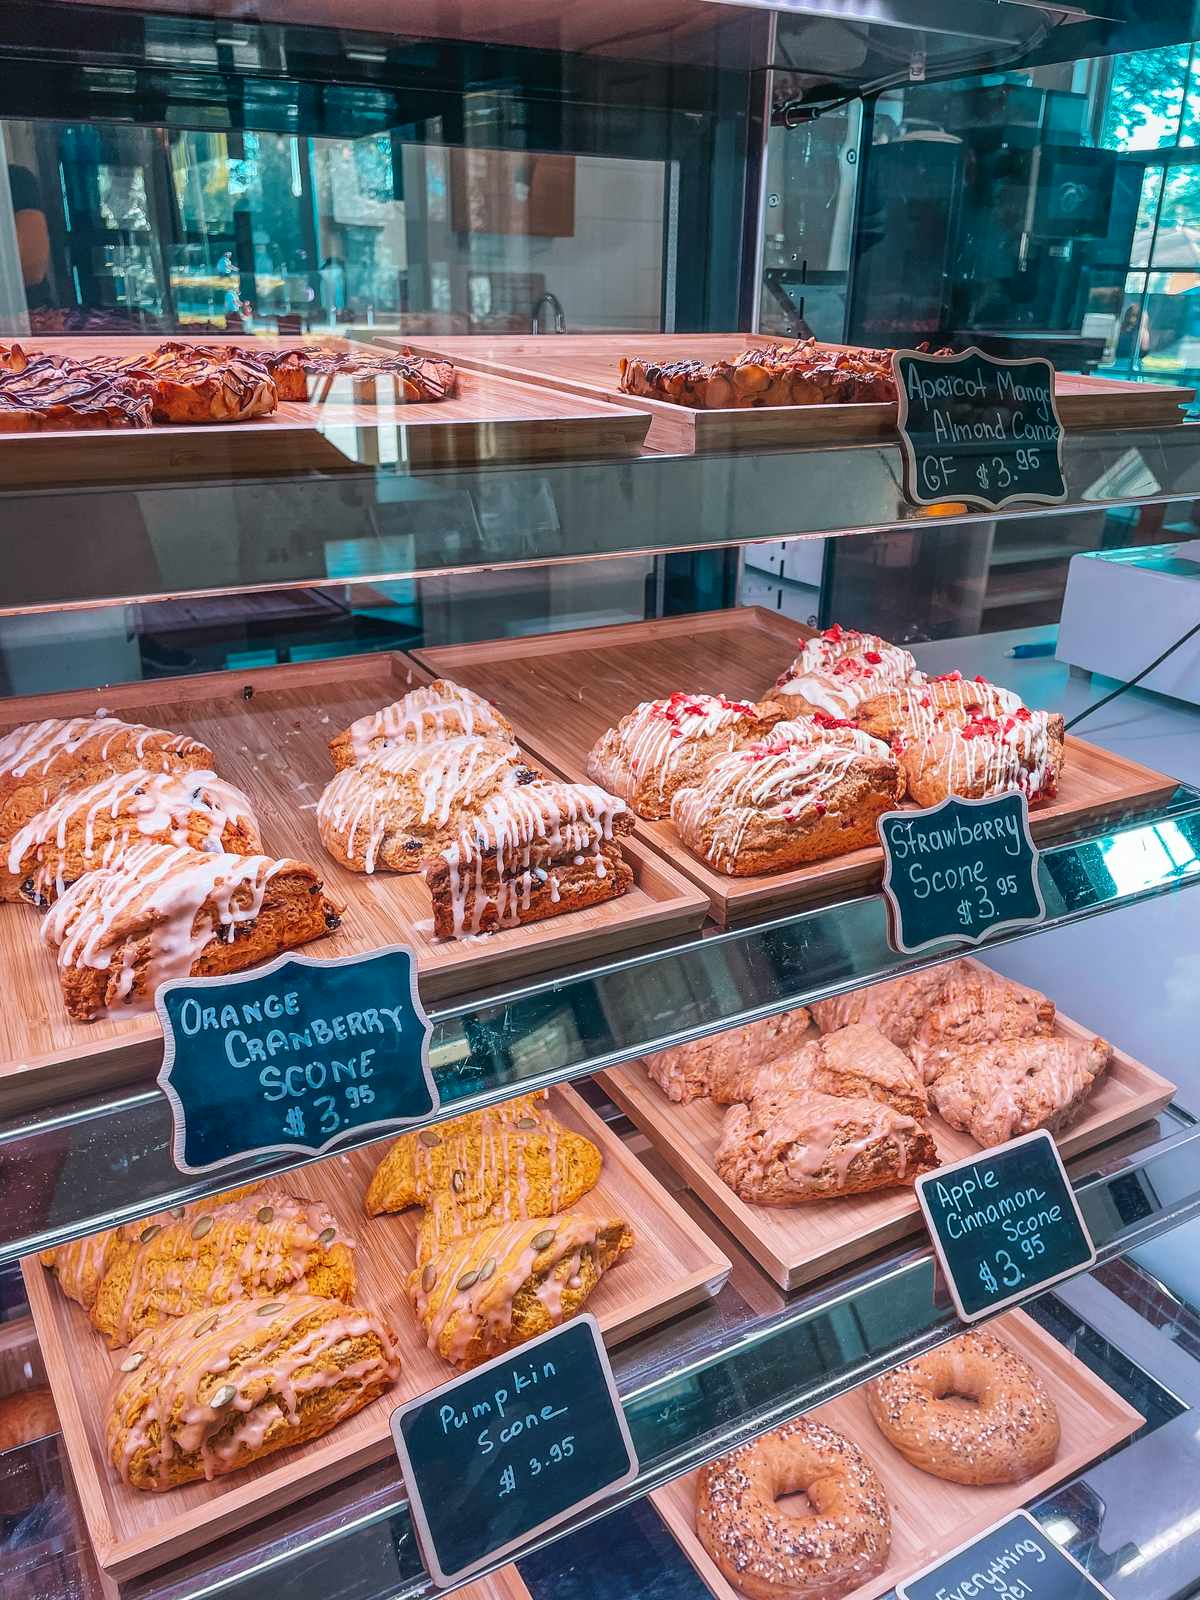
point(662, 745)
point(310, 372)
point(215, 1390)
point(801, 374)
point(788, 1147)
point(782, 805)
point(13, 358)
point(724, 1065)
point(976, 1006)
point(50, 393)
point(164, 911)
point(193, 383)
point(768, 1553)
point(1023, 752)
point(492, 1290)
point(1006, 1432)
point(996, 1092)
point(836, 671)
point(437, 710)
point(917, 711)
point(404, 803)
point(93, 827)
point(266, 1243)
point(530, 852)
point(896, 1008)
point(422, 1162)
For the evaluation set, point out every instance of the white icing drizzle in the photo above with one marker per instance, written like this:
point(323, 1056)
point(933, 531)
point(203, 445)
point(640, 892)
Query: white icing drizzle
point(437, 710)
point(921, 709)
point(838, 669)
point(830, 731)
point(31, 750)
point(987, 756)
point(657, 737)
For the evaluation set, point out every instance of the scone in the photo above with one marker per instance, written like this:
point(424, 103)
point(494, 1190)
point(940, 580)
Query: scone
point(788, 1147)
point(164, 911)
point(836, 671)
point(492, 1290)
point(215, 1390)
point(437, 710)
point(896, 1008)
point(88, 828)
point(996, 1092)
point(855, 1062)
point(1021, 753)
point(776, 806)
point(916, 711)
point(422, 1161)
point(819, 728)
point(529, 853)
point(976, 1006)
point(267, 1243)
point(662, 745)
point(403, 803)
point(724, 1065)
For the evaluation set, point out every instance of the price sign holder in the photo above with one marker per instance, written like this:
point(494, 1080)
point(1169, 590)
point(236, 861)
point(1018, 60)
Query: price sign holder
point(979, 429)
point(961, 870)
point(293, 1056)
point(512, 1448)
point(1014, 1558)
point(1005, 1224)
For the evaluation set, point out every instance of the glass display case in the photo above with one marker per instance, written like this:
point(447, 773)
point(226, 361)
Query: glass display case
point(400, 554)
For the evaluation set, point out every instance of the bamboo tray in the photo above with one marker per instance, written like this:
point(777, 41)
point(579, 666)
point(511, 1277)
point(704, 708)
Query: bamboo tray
point(561, 691)
point(491, 419)
point(795, 1244)
point(588, 365)
point(929, 1515)
point(672, 1266)
point(269, 731)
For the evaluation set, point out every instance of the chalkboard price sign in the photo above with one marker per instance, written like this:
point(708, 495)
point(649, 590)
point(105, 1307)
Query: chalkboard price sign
point(1014, 1560)
point(961, 870)
point(293, 1056)
point(512, 1448)
point(978, 429)
point(1004, 1224)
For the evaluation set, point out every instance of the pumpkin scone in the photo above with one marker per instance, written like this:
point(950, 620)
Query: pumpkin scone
point(413, 1168)
point(493, 1290)
point(264, 1244)
point(216, 1390)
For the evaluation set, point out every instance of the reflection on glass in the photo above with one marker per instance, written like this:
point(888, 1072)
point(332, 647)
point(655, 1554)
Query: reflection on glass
point(1147, 214)
point(1144, 856)
point(1145, 99)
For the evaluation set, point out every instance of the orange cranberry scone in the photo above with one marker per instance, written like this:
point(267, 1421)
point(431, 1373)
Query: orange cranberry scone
point(661, 745)
point(1021, 752)
point(530, 852)
point(836, 671)
point(437, 710)
point(93, 827)
point(782, 805)
point(216, 1390)
point(164, 911)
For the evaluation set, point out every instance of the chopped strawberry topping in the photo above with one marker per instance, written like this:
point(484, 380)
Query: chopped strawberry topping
point(834, 634)
point(820, 807)
point(873, 657)
point(948, 677)
point(979, 678)
point(981, 727)
point(824, 720)
point(1023, 714)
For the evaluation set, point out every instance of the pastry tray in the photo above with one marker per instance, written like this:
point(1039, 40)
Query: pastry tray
point(269, 730)
point(672, 1266)
point(795, 1244)
point(929, 1515)
point(589, 365)
point(561, 691)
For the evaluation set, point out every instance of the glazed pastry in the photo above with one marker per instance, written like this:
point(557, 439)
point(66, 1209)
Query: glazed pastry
point(27, 1415)
point(529, 853)
point(855, 1062)
point(663, 745)
point(406, 802)
point(1008, 1432)
point(268, 1243)
point(492, 1290)
point(437, 710)
point(821, 729)
point(788, 1147)
point(215, 1390)
point(976, 1006)
point(801, 374)
point(996, 1092)
point(769, 1554)
point(53, 392)
point(164, 911)
point(724, 1065)
point(41, 760)
point(1022, 753)
point(776, 806)
point(187, 383)
point(88, 828)
point(417, 1163)
point(896, 1008)
point(836, 671)
point(916, 711)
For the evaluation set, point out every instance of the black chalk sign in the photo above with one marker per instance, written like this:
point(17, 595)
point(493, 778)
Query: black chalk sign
point(961, 870)
point(1004, 1224)
point(1014, 1560)
point(978, 429)
point(512, 1448)
point(293, 1056)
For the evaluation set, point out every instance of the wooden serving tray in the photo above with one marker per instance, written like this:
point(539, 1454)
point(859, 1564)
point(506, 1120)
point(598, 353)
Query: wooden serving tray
point(589, 364)
point(561, 691)
point(929, 1515)
point(269, 731)
point(491, 419)
point(795, 1244)
point(672, 1266)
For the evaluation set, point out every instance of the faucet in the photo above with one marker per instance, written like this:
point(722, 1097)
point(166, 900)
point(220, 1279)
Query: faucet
point(555, 304)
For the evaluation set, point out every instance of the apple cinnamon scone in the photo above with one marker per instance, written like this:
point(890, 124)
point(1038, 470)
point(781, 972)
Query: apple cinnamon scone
point(723, 1065)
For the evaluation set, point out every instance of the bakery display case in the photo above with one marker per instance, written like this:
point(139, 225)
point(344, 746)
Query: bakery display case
point(383, 498)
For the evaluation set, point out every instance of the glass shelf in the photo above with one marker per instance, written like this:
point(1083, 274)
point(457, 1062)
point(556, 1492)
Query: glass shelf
point(361, 525)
